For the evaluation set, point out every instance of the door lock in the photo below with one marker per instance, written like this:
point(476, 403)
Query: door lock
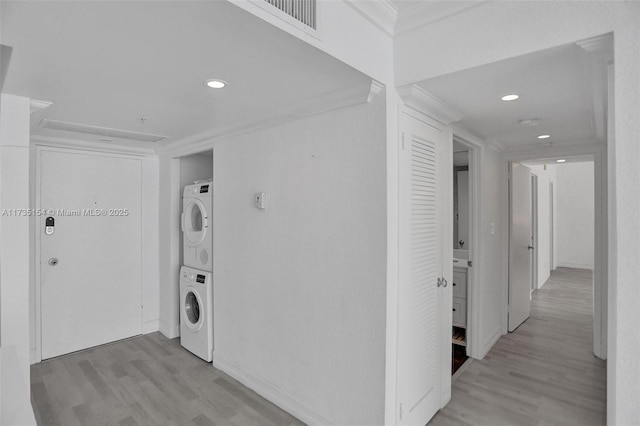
point(49, 224)
point(53, 261)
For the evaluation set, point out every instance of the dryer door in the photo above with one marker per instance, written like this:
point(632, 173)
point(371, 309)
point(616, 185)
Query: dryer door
point(195, 222)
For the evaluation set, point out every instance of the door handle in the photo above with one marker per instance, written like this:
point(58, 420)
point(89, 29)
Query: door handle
point(530, 247)
point(53, 261)
point(442, 282)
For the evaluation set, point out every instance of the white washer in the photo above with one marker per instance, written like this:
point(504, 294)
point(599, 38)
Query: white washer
point(197, 225)
point(196, 312)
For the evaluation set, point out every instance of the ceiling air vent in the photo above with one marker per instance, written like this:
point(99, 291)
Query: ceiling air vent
point(99, 131)
point(301, 10)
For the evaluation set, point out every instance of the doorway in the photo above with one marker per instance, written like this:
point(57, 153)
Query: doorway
point(567, 219)
point(88, 250)
point(463, 252)
point(194, 168)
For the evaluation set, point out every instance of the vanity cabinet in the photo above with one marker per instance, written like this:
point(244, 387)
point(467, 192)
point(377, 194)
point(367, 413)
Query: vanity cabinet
point(459, 306)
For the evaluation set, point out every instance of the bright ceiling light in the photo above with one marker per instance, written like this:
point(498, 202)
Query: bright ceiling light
point(561, 161)
point(544, 136)
point(215, 84)
point(509, 97)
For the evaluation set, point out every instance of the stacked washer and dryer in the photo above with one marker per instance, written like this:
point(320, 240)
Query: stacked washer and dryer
point(196, 281)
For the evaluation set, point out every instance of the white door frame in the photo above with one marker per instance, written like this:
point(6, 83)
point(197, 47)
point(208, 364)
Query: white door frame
point(598, 153)
point(36, 352)
point(552, 227)
point(534, 232)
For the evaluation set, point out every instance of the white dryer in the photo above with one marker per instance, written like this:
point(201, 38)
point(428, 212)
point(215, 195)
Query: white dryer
point(196, 312)
point(197, 225)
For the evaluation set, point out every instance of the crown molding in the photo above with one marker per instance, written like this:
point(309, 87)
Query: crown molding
point(326, 102)
point(428, 12)
point(463, 134)
point(374, 90)
point(419, 99)
point(37, 110)
point(599, 53)
point(382, 13)
point(90, 146)
point(495, 145)
point(37, 105)
point(555, 149)
point(602, 44)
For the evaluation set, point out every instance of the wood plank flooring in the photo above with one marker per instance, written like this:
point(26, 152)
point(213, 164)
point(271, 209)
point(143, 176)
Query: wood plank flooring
point(544, 373)
point(146, 380)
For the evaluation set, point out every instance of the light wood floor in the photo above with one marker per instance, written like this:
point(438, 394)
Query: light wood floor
point(542, 374)
point(146, 380)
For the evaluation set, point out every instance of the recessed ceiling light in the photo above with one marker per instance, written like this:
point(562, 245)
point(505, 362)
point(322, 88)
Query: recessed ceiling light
point(544, 136)
point(561, 161)
point(509, 97)
point(215, 84)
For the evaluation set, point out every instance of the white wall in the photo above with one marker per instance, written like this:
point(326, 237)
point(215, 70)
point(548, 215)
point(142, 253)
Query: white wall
point(344, 33)
point(150, 245)
point(489, 259)
point(508, 27)
point(300, 288)
point(545, 177)
point(14, 259)
point(169, 224)
point(575, 215)
point(195, 167)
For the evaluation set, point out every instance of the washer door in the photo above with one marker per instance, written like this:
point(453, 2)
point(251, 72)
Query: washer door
point(195, 222)
point(193, 310)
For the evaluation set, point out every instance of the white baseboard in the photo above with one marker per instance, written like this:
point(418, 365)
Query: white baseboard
point(574, 265)
point(495, 336)
point(169, 331)
point(270, 393)
point(151, 326)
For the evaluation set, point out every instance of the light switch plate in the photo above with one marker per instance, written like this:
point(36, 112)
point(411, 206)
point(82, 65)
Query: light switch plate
point(261, 200)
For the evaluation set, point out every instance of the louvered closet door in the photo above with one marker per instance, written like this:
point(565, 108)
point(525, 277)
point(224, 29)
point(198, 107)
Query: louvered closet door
point(421, 233)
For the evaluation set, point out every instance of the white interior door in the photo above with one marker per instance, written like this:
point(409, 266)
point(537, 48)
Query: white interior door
point(421, 264)
point(519, 244)
point(91, 293)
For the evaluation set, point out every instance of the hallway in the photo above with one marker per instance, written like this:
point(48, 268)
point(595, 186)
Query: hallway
point(545, 372)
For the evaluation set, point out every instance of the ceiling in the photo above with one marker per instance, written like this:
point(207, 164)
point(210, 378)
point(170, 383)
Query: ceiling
point(110, 63)
point(554, 161)
point(413, 14)
point(564, 88)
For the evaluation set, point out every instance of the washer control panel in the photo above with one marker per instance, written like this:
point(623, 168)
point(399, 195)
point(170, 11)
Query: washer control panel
point(188, 274)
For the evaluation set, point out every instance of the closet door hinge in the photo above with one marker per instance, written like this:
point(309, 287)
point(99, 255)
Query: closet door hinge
point(400, 411)
point(403, 141)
